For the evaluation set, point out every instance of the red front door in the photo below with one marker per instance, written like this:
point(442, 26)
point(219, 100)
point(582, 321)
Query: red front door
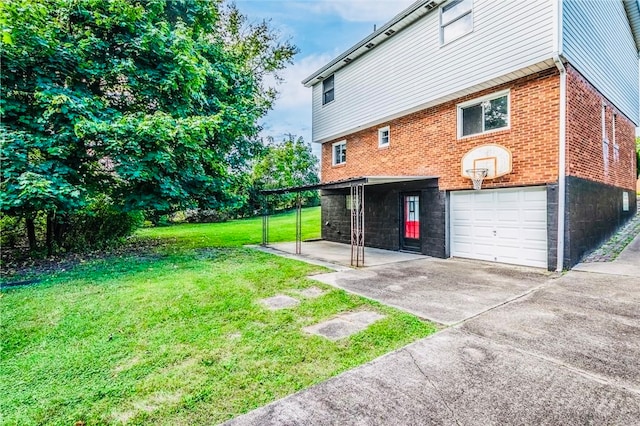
point(411, 222)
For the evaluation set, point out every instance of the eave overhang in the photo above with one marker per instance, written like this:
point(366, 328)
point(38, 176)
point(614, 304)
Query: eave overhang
point(632, 7)
point(347, 183)
point(405, 18)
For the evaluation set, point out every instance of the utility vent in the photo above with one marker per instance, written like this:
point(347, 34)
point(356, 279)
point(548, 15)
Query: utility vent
point(369, 45)
point(347, 60)
point(430, 5)
point(389, 32)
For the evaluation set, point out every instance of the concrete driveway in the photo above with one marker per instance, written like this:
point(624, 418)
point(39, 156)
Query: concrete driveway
point(567, 351)
point(445, 291)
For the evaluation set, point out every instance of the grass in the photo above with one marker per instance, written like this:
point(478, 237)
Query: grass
point(178, 336)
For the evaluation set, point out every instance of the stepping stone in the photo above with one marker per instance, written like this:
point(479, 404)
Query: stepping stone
point(344, 325)
point(279, 301)
point(312, 292)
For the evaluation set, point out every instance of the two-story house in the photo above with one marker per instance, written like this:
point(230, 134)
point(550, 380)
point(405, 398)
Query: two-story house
point(538, 98)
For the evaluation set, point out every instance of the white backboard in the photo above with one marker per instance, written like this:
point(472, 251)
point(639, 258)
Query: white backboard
point(495, 158)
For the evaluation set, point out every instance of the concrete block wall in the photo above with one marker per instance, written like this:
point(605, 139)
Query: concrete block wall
point(383, 216)
point(594, 212)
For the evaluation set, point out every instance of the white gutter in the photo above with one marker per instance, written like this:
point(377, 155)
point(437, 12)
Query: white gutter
point(562, 142)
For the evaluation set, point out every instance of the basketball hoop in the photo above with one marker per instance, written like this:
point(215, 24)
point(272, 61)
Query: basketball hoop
point(477, 176)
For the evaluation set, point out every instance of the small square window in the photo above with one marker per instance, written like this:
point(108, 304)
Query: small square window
point(339, 153)
point(456, 20)
point(483, 115)
point(328, 92)
point(383, 137)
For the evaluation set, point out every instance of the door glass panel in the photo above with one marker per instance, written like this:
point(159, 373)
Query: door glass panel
point(412, 217)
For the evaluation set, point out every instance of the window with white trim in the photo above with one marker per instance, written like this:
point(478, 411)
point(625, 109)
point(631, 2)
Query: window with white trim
point(328, 90)
point(605, 140)
point(456, 20)
point(616, 147)
point(483, 115)
point(339, 150)
point(384, 137)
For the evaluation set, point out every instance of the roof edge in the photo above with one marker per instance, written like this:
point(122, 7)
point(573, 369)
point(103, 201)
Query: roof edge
point(380, 35)
point(632, 7)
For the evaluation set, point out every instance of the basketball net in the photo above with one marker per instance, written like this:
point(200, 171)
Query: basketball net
point(477, 176)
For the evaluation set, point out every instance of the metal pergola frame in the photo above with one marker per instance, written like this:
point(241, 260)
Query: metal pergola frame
point(356, 188)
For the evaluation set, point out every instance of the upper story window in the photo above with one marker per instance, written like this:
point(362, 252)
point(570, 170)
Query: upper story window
point(605, 136)
point(483, 115)
point(328, 91)
point(384, 137)
point(456, 20)
point(339, 153)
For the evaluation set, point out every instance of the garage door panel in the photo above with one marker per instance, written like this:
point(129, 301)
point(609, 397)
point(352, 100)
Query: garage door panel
point(509, 215)
point(504, 225)
point(535, 216)
point(507, 196)
point(535, 194)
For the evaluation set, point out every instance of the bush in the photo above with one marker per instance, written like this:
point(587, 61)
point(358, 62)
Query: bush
point(99, 226)
point(12, 231)
point(205, 216)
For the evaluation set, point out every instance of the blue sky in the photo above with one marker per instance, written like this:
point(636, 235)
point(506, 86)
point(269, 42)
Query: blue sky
point(322, 29)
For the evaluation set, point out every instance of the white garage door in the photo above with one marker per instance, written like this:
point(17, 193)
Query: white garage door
point(500, 225)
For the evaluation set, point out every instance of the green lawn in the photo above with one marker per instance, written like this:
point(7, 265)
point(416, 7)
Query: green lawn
point(177, 336)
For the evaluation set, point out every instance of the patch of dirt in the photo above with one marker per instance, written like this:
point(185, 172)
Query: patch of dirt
point(17, 268)
point(150, 404)
point(126, 365)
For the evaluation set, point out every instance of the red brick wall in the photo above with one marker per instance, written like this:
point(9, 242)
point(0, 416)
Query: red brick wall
point(425, 143)
point(585, 157)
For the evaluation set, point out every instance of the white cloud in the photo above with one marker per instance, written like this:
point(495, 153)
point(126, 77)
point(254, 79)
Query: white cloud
point(359, 10)
point(292, 93)
point(292, 109)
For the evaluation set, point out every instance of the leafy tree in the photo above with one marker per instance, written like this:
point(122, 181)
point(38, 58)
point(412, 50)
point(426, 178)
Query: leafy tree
point(286, 164)
point(153, 104)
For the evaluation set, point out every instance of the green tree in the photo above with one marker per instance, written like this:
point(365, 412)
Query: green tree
point(638, 157)
point(286, 164)
point(153, 104)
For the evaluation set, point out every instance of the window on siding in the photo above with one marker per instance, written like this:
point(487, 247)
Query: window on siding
point(483, 115)
point(328, 91)
point(384, 137)
point(339, 153)
point(456, 20)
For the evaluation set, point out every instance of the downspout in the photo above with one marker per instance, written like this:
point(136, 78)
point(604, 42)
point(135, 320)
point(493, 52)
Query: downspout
point(562, 142)
point(562, 154)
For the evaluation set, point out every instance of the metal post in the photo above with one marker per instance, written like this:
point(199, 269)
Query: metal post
point(265, 220)
point(357, 225)
point(298, 224)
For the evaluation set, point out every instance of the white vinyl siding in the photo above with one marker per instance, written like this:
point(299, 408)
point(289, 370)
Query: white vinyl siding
point(411, 69)
point(597, 40)
point(500, 225)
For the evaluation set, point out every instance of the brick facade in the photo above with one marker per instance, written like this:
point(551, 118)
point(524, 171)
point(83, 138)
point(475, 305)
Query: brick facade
point(425, 143)
point(587, 156)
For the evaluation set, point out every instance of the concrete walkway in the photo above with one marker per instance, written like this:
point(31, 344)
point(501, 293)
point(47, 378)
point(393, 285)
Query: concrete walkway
point(627, 262)
point(565, 352)
point(336, 256)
